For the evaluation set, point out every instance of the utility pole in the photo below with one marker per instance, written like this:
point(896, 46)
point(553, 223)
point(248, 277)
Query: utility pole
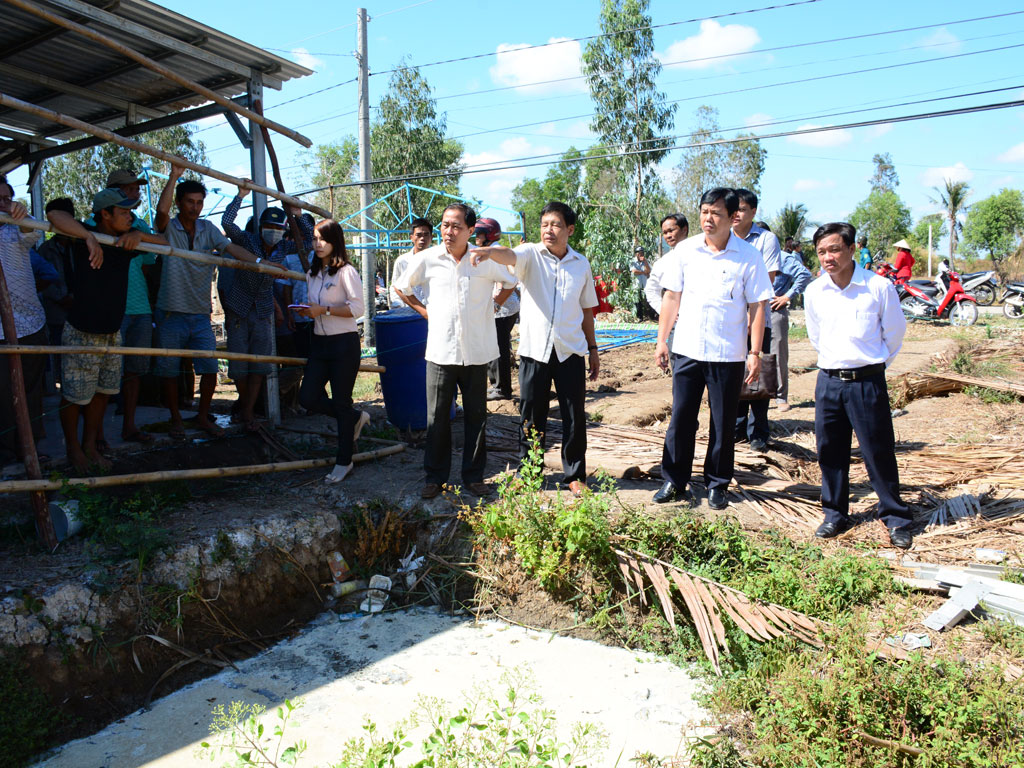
point(929, 250)
point(365, 172)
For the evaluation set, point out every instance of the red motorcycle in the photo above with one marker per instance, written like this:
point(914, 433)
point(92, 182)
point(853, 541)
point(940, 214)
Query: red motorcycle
point(943, 299)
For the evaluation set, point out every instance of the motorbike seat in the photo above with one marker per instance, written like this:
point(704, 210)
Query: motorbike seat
point(929, 289)
point(971, 275)
point(1018, 286)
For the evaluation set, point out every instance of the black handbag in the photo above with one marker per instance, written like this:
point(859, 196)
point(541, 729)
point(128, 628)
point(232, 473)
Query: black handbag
point(767, 383)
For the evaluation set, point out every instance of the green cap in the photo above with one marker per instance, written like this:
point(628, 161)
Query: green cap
point(115, 197)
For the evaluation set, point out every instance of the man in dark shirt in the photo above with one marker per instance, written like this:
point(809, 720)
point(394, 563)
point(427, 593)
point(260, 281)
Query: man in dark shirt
point(99, 283)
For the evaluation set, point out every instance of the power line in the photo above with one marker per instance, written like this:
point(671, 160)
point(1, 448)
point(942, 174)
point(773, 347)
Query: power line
point(346, 26)
point(761, 137)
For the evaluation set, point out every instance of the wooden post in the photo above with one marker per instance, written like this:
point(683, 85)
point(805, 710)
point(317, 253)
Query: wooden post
point(146, 149)
point(160, 69)
point(22, 420)
point(276, 167)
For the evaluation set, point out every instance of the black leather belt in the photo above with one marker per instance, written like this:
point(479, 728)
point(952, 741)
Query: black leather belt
point(855, 374)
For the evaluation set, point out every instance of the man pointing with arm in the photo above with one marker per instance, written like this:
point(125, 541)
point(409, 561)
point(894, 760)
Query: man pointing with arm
point(556, 322)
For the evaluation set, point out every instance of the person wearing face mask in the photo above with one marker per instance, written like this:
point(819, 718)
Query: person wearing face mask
point(249, 306)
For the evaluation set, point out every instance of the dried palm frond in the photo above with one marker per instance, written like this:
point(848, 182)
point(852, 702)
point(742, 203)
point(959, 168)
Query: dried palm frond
point(706, 601)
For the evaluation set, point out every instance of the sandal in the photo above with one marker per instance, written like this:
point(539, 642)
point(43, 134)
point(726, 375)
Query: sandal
point(177, 433)
point(138, 436)
point(102, 445)
point(212, 429)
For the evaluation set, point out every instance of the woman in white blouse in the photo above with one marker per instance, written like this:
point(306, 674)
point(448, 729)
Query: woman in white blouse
point(335, 296)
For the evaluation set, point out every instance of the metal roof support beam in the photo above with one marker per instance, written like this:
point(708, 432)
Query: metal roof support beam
point(35, 187)
point(150, 64)
point(76, 90)
point(239, 129)
point(166, 41)
point(49, 34)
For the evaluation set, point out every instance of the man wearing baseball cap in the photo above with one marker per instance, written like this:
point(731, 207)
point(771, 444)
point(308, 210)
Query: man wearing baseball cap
point(137, 326)
point(249, 307)
point(100, 288)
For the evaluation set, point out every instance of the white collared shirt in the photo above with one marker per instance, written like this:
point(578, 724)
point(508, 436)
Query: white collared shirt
point(460, 329)
point(402, 263)
point(768, 244)
point(715, 290)
point(861, 324)
point(555, 293)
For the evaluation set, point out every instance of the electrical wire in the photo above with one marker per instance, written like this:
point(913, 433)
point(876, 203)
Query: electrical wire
point(626, 153)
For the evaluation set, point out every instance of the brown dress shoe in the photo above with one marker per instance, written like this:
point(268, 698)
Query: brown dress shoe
point(478, 489)
point(430, 490)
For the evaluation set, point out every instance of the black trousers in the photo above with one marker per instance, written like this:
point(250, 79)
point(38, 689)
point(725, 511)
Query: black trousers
point(33, 370)
point(333, 359)
point(499, 372)
point(570, 380)
point(442, 380)
point(754, 425)
point(862, 407)
point(689, 379)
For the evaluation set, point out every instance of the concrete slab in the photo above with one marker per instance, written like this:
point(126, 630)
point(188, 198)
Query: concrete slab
point(346, 670)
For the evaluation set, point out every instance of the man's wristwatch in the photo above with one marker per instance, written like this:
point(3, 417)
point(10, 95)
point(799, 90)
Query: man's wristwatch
point(755, 354)
point(592, 347)
point(327, 310)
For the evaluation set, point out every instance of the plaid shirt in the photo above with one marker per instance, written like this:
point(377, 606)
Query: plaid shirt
point(249, 288)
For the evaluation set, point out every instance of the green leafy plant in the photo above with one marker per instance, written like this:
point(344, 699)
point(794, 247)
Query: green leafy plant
point(240, 732)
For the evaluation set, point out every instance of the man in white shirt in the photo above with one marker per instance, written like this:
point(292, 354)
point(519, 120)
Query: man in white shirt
point(855, 322)
point(556, 331)
point(716, 285)
point(755, 425)
point(421, 233)
point(461, 341)
point(674, 229)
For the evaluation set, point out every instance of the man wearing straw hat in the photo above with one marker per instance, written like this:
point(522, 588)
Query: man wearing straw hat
point(100, 289)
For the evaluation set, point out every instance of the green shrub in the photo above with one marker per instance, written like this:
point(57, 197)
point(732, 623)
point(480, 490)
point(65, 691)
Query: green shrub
point(30, 722)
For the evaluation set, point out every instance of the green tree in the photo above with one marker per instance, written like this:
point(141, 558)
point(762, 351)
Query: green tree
point(408, 136)
point(995, 227)
point(630, 114)
point(563, 182)
point(80, 175)
point(883, 218)
point(335, 163)
point(952, 198)
point(919, 237)
point(885, 178)
point(791, 221)
point(707, 164)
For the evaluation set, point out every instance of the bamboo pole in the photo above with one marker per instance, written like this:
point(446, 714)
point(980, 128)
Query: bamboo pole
point(159, 154)
point(164, 250)
point(160, 69)
point(108, 481)
point(23, 422)
point(217, 354)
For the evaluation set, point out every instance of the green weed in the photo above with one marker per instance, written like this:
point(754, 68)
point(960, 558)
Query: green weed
point(1005, 634)
point(30, 722)
point(990, 396)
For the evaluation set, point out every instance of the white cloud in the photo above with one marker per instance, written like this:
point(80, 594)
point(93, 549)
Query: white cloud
point(518, 67)
point(758, 119)
point(811, 185)
point(942, 40)
point(1013, 155)
point(936, 177)
point(714, 44)
point(495, 187)
point(304, 58)
point(579, 130)
point(876, 131)
point(829, 138)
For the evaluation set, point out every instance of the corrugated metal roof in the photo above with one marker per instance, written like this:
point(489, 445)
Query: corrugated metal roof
point(36, 47)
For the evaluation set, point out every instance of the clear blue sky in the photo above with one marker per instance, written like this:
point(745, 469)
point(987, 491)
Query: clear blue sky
point(828, 172)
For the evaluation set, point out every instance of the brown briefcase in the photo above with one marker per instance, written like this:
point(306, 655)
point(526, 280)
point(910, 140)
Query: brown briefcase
point(767, 384)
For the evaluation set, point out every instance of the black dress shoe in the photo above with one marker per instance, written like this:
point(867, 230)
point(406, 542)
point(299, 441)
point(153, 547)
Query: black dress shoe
point(829, 530)
point(669, 493)
point(716, 499)
point(900, 538)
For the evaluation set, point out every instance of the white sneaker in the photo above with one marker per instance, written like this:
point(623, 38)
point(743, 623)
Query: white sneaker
point(338, 474)
point(364, 419)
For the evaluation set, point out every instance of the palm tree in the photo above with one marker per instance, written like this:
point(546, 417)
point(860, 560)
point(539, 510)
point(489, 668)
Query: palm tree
point(791, 221)
point(953, 201)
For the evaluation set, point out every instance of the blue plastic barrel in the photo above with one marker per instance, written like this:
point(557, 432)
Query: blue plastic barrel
point(401, 344)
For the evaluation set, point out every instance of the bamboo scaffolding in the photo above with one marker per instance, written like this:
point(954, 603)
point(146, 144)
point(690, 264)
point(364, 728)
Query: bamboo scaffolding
point(108, 481)
point(217, 354)
point(165, 250)
point(160, 69)
point(159, 154)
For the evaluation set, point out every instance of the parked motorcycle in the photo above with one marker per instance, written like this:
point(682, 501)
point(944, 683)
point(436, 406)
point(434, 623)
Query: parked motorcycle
point(926, 299)
point(1013, 300)
point(983, 286)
